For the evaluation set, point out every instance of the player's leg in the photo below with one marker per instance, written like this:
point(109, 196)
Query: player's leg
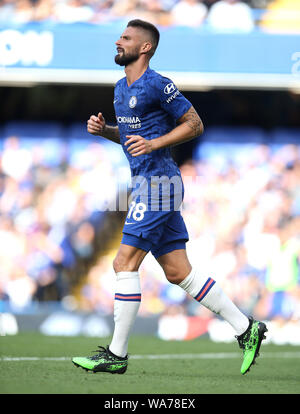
point(114, 358)
point(176, 265)
point(127, 295)
point(206, 291)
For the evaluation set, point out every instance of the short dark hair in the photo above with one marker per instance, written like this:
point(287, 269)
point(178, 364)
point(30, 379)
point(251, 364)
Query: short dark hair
point(150, 28)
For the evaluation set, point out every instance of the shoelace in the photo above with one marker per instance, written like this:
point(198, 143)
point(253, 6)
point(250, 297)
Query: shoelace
point(102, 350)
point(243, 342)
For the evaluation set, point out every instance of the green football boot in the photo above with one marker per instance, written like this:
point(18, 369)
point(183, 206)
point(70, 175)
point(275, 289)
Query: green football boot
point(250, 342)
point(103, 361)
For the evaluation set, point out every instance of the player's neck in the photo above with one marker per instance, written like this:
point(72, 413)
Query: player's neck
point(135, 70)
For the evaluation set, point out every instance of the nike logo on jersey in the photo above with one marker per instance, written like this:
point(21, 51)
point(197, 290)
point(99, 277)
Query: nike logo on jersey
point(128, 223)
point(115, 100)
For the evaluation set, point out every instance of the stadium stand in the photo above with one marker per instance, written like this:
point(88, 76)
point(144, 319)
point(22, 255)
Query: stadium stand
point(271, 15)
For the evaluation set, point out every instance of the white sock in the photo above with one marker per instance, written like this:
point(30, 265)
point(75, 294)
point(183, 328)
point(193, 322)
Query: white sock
point(207, 292)
point(126, 306)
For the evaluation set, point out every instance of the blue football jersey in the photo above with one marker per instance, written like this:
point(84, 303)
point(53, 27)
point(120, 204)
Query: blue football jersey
point(149, 108)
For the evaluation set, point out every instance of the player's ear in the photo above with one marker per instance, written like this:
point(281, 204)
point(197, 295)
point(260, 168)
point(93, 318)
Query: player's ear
point(146, 47)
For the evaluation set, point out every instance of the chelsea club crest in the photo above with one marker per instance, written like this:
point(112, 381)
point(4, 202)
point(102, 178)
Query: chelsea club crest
point(132, 102)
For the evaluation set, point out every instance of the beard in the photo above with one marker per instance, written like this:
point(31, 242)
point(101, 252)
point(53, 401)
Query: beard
point(126, 59)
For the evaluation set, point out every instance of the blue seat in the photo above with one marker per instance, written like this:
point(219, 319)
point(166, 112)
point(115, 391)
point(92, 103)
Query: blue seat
point(234, 134)
point(228, 143)
point(77, 130)
point(37, 130)
point(285, 136)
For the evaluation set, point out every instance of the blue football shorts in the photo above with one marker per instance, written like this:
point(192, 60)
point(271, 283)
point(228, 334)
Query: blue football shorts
point(157, 231)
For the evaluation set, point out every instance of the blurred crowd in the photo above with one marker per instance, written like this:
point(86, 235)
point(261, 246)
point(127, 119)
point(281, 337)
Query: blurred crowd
point(239, 15)
point(244, 221)
point(52, 218)
point(244, 226)
point(57, 242)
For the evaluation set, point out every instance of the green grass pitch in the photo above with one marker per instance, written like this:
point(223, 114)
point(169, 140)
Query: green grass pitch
point(31, 363)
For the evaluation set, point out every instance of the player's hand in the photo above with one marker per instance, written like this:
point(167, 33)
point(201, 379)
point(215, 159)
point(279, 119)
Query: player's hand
point(138, 145)
point(96, 124)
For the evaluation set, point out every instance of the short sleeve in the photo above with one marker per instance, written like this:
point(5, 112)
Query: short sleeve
point(171, 99)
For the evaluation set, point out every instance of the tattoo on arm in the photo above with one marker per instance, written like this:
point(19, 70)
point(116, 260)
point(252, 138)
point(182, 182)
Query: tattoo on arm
point(115, 133)
point(192, 119)
point(112, 133)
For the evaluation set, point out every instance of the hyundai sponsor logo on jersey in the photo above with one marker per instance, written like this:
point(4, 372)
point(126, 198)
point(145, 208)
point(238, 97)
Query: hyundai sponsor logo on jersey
point(169, 88)
point(172, 97)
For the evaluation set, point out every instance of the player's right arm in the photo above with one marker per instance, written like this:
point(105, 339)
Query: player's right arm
point(96, 125)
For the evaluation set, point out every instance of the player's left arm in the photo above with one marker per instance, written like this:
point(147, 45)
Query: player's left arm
point(189, 126)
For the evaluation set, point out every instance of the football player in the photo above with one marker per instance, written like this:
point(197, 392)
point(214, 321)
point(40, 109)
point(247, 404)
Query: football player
point(152, 116)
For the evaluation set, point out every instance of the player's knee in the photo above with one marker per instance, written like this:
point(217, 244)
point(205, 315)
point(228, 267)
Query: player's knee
point(118, 264)
point(174, 277)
